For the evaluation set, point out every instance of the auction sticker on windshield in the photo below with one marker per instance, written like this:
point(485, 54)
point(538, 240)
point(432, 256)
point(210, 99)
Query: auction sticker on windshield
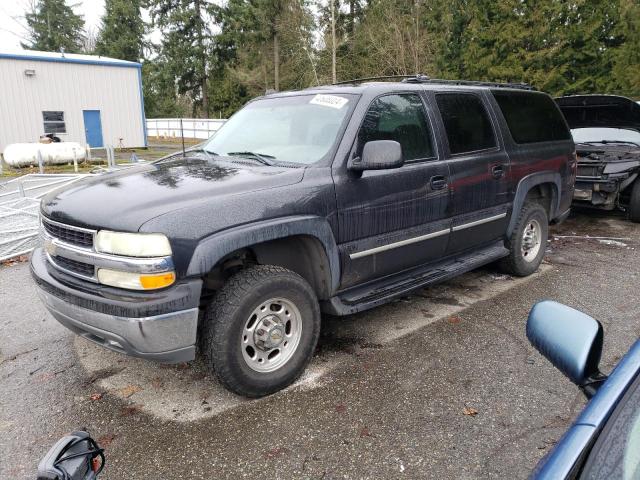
point(332, 101)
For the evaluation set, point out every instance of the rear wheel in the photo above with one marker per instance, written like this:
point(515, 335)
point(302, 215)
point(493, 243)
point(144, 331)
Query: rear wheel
point(261, 329)
point(634, 203)
point(528, 241)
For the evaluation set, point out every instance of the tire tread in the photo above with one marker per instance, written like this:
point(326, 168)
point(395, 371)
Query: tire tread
point(221, 310)
point(634, 202)
point(512, 263)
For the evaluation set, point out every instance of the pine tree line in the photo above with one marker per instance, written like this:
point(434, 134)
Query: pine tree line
point(212, 57)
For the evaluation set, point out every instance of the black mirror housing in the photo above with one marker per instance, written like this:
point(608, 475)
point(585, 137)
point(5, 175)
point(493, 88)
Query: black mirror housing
point(569, 339)
point(378, 155)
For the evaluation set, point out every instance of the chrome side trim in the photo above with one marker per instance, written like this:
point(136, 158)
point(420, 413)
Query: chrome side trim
point(478, 222)
point(401, 243)
point(428, 236)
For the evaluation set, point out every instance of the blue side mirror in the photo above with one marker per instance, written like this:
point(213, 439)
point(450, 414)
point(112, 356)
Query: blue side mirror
point(570, 340)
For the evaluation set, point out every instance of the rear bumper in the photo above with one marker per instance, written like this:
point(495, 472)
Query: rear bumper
point(167, 337)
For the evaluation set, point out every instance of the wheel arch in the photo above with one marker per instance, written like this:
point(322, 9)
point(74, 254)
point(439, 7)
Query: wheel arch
point(544, 185)
point(302, 244)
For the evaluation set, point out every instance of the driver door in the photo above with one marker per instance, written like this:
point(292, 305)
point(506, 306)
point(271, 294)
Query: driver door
point(395, 219)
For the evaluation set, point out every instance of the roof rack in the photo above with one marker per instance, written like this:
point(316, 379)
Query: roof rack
point(425, 79)
point(467, 83)
point(369, 79)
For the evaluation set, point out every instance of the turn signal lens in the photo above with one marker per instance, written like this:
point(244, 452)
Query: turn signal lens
point(149, 282)
point(135, 281)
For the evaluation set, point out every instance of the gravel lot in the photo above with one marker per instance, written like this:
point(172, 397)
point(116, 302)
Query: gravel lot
point(385, 396)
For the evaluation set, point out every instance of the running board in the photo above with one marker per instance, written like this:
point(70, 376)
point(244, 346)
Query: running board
point(378, 292)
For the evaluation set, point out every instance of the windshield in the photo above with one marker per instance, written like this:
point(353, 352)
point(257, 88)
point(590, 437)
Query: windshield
point(298, 130)
point(596, 135)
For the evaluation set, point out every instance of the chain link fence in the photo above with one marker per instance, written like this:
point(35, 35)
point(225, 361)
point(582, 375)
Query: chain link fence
point(19, 210)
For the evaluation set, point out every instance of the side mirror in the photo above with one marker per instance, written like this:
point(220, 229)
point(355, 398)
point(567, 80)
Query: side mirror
point(378, 155)
point(74, 457)
point(570, 340)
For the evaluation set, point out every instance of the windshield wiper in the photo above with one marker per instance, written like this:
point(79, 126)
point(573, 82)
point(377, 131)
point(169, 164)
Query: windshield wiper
point(206, 152)
point(260, 157)
point(606, 142)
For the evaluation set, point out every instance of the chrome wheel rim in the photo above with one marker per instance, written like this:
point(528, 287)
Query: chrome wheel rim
point(271, 335)
point(531, 240)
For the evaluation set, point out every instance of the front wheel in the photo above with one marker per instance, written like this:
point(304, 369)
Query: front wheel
point(260, 330)
point(528, 241)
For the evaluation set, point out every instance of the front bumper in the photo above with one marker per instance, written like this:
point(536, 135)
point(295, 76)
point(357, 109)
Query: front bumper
point(599, 192)
point(157, 329)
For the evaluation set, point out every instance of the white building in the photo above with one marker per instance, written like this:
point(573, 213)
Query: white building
point(79, 98)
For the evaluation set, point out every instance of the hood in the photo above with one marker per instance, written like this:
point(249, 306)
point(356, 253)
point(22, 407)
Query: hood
point(126, 199)
point(584, 111)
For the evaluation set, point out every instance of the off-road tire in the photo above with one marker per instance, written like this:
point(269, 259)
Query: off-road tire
point(634, 202)
point(515, 263)
point(225, 319)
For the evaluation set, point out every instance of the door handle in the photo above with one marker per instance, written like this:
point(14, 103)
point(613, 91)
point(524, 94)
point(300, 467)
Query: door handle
point(438, 182)
point(497, 171)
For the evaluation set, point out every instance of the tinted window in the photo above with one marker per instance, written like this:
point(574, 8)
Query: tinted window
point(54, 122)
point(400, 118)
point(531, 117)
point(466, 122)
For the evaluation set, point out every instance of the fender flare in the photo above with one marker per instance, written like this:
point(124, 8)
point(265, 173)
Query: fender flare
point(214, 247)
point(526, 184)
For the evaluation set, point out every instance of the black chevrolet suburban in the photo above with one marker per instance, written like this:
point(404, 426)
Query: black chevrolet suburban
point(334, 199)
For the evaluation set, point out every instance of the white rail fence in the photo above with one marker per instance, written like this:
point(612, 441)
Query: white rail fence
point(177, 127)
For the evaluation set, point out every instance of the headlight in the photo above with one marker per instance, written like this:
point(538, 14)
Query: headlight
point(133, 244)
point(135, 281)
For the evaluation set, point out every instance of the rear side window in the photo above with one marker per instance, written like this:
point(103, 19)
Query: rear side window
point(466, 122)
point(531, 117)
point(401, 118)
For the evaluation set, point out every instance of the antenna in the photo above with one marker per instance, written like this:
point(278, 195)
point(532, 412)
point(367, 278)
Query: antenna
point(182, 135)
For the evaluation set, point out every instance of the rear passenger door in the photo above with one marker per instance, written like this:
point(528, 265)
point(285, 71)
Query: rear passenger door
point(479, 168)
point(395, 219)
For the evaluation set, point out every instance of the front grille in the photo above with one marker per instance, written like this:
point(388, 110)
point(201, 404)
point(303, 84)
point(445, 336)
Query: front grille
point(68, 234)
point(588, 171)
point(74, 266)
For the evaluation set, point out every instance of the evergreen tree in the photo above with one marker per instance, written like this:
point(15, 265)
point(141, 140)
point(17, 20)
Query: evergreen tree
point(53, 26)
point(122, 31)
point(626, 70)
point(394, 37)
point(161, 97)
point(217, 55)
point(349, 15)
point(591, 43)
point(267, 44)
point(186, 45)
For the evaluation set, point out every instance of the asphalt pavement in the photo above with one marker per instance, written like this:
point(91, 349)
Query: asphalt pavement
point(440, 384)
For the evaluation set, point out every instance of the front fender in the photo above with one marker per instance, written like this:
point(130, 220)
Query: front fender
point(213, 248)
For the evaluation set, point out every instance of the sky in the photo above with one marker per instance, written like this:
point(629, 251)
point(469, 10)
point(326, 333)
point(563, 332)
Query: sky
point(13, 25)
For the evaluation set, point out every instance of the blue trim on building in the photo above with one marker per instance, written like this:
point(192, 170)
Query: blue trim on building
point(35, 58)
point(124, 64)
point(144, 117)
